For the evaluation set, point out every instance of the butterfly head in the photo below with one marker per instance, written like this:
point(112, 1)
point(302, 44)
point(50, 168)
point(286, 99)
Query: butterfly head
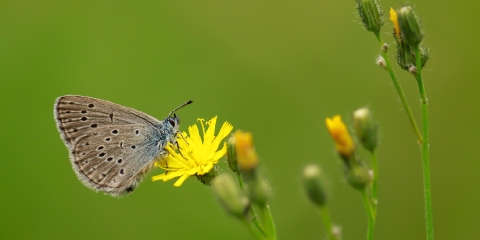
point(173, 121)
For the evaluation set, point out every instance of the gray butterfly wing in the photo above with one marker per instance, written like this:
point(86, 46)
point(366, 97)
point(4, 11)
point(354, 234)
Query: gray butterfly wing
point(111, 147)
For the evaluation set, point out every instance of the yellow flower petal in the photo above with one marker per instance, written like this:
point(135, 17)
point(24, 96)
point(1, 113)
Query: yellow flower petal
point(220, 153)
point(158, 177)
point(224, 131)
point(194, 135)
point(180, 181)
point(209, 135)
point(184, 177)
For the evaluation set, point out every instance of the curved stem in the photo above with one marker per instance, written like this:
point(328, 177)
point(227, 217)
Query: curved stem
point(400, 92)
point(425, 150)
point(240, 180)
point(271, 232)
point(252, 212)
point(374, 182)
point(327, 221)
point(370, 215)
point(253, 230)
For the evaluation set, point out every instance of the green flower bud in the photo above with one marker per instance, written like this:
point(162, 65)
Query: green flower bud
point(358, 177)
point(365, 128)
point(231, 154)
point(371, 14)
point(313, 182)
point(256, 189)
point(412, 33)
point(230, 196)
point(245, 152)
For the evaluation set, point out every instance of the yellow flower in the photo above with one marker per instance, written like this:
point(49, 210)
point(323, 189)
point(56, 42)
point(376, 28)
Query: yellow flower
point(394, 19)
point(339, 132)
point(196, 157)
point(246, 155)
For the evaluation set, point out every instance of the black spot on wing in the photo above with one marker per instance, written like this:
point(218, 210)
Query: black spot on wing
point(130, 189)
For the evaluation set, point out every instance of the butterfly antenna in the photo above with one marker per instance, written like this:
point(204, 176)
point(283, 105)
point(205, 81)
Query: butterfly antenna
point(183, 105)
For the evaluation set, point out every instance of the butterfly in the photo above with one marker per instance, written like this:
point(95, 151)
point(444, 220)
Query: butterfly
point(112, 147)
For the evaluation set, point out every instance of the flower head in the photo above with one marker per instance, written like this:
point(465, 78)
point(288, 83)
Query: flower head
point(195, 156)
point(339, 132)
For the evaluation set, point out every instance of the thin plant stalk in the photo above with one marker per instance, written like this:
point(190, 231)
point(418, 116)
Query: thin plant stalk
point(268, 222)
point(400, 92)
point(374, 182)
point(425, 148)
point(253, 230)
point(370, 215)
point(251, 211)
point(327, 221)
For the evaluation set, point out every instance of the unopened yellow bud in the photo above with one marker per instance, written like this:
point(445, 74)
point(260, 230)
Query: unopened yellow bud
point(341, 137)
point(247, 158)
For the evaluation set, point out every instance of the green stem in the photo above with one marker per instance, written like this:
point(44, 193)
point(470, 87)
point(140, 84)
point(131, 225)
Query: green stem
point(240, 180)
point(400, 92)
point(327, 221)
point(374, 182)
point(253, 230)
point(370, 215)
point(425, 153)
point(252, 212)
point(271, 232)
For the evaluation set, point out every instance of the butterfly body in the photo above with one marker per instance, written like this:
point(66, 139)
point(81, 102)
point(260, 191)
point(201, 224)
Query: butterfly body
point(111, 147)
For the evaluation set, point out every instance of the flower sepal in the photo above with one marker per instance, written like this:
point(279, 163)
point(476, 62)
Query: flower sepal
point(207, 178)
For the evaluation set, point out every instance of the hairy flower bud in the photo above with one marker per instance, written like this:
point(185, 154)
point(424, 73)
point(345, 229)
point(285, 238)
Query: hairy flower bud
point(371, 14)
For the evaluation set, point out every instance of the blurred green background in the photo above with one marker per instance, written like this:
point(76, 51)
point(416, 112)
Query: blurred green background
point(275, 68)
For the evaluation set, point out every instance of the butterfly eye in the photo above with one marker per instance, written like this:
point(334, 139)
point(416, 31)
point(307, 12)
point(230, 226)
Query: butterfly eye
point(172, 122)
